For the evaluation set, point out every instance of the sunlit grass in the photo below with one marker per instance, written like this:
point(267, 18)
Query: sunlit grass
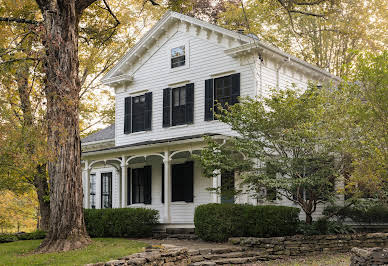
point(101, 250)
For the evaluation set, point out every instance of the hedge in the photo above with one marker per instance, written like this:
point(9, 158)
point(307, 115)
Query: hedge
point(218, 222)
point(361, 213)
point(124, 222)
point(4, 238)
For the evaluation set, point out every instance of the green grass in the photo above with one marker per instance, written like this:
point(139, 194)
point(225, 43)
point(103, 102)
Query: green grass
point(101, 250)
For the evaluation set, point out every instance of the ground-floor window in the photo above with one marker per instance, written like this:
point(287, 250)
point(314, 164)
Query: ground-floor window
point(182, 182)
point(141, 185)
point(106, 190)
point(92, 191)
point(227, 187)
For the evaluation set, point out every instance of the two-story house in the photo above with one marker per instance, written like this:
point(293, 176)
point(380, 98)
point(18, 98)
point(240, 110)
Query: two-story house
point(166, 87)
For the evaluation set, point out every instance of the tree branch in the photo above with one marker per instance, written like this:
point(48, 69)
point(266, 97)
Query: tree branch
point(19, 20)
point(81, 5)
point(112, 14)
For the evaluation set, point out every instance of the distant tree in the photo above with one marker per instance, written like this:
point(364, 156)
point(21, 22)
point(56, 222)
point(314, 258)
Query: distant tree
point(358, 121)
point(280, 147)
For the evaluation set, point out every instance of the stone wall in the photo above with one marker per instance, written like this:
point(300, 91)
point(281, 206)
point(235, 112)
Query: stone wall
point(369, 256)
point(303, 245)
point(166, 255)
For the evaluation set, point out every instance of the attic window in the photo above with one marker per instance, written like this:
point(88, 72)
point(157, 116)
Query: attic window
point(178, 56)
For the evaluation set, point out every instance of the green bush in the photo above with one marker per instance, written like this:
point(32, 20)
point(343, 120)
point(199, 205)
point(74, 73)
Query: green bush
point(324, 227)
point(4, 238)
point(125, 222)
point(218, 222)
point(361, 212)
point(39, 234)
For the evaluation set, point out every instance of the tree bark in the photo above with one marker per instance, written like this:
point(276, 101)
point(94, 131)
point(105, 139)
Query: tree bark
point(42, 190)
point(60, 39)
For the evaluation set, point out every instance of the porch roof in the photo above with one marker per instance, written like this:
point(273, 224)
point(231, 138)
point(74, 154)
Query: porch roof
point(150, 142)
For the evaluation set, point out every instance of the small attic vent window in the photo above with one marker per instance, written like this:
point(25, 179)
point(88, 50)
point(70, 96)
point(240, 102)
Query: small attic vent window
point(178, 57)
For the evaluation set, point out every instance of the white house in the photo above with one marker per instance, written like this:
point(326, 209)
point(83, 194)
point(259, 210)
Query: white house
point(165, 87)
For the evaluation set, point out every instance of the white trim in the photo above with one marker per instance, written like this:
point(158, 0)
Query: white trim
point(177, 84)
point(259, 46)
point(97, 142)
point(222, 74)
point(139, 92)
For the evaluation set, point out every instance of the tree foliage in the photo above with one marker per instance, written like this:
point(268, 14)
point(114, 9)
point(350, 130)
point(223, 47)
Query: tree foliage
point(281, 145)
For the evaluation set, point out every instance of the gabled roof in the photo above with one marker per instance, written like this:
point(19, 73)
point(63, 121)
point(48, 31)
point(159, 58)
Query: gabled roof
point(105, 134)
point(159, 28)
point(246, 43)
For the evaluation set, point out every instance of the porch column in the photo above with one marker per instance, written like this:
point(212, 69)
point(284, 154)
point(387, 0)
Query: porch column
point(87, 185)
point(123, 181)
point(216, 184)
point(167, 187)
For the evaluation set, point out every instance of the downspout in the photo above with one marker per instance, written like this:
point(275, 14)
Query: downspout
point(286, 60)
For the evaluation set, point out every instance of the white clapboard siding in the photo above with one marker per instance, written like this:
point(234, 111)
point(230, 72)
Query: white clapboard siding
point(206, 57)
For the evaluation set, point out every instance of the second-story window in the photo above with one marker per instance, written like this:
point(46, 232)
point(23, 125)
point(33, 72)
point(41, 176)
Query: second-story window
point(178, 105)
point(178, 56)
point(221, 90)
point(138, 113)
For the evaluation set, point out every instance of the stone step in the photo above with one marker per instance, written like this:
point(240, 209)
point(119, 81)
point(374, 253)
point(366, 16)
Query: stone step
point(234, 261)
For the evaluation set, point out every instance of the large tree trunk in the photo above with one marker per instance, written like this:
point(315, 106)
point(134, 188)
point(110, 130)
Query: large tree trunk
point(60, 39)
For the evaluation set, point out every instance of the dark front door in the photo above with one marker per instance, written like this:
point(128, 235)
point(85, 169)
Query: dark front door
point(227, 187)
point(106, 190)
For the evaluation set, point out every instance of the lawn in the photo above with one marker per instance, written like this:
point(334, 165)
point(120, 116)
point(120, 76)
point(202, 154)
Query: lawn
point(101, 250)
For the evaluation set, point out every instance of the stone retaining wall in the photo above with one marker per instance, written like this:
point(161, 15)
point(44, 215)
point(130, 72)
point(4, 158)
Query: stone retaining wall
point(369, 256)
point(302, 245)
point(166, 255)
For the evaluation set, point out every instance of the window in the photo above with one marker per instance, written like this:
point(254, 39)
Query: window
point(138, 104)
point(141, 185)
point(178, 105)
point(227, 187)
point(137, 113)
point(178, 56)
point(221, 90)
point(106, 190)
point(182, 182)
point(93, 191)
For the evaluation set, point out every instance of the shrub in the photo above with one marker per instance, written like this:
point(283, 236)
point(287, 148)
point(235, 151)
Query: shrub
point(218, 222)
point(125, 222)
point(4, 238)
point(362, 212)
point(39, 234)
point(324, 227)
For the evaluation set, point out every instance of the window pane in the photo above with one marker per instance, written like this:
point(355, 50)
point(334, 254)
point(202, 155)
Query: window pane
point(178, 51)
point(175, 97)
point(182, 95)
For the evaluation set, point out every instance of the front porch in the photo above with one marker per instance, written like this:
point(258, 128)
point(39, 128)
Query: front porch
point(163, 177)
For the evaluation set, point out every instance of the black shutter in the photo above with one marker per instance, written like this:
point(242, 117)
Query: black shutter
point(162, 182)
point(147, 184)
point(189, 182)
point(235, 88)
point(127, 115)
point(148, 111)
point(209, 101)
point(128, 186)
point(189, 103)
point(135, 181)
point(167, 107)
